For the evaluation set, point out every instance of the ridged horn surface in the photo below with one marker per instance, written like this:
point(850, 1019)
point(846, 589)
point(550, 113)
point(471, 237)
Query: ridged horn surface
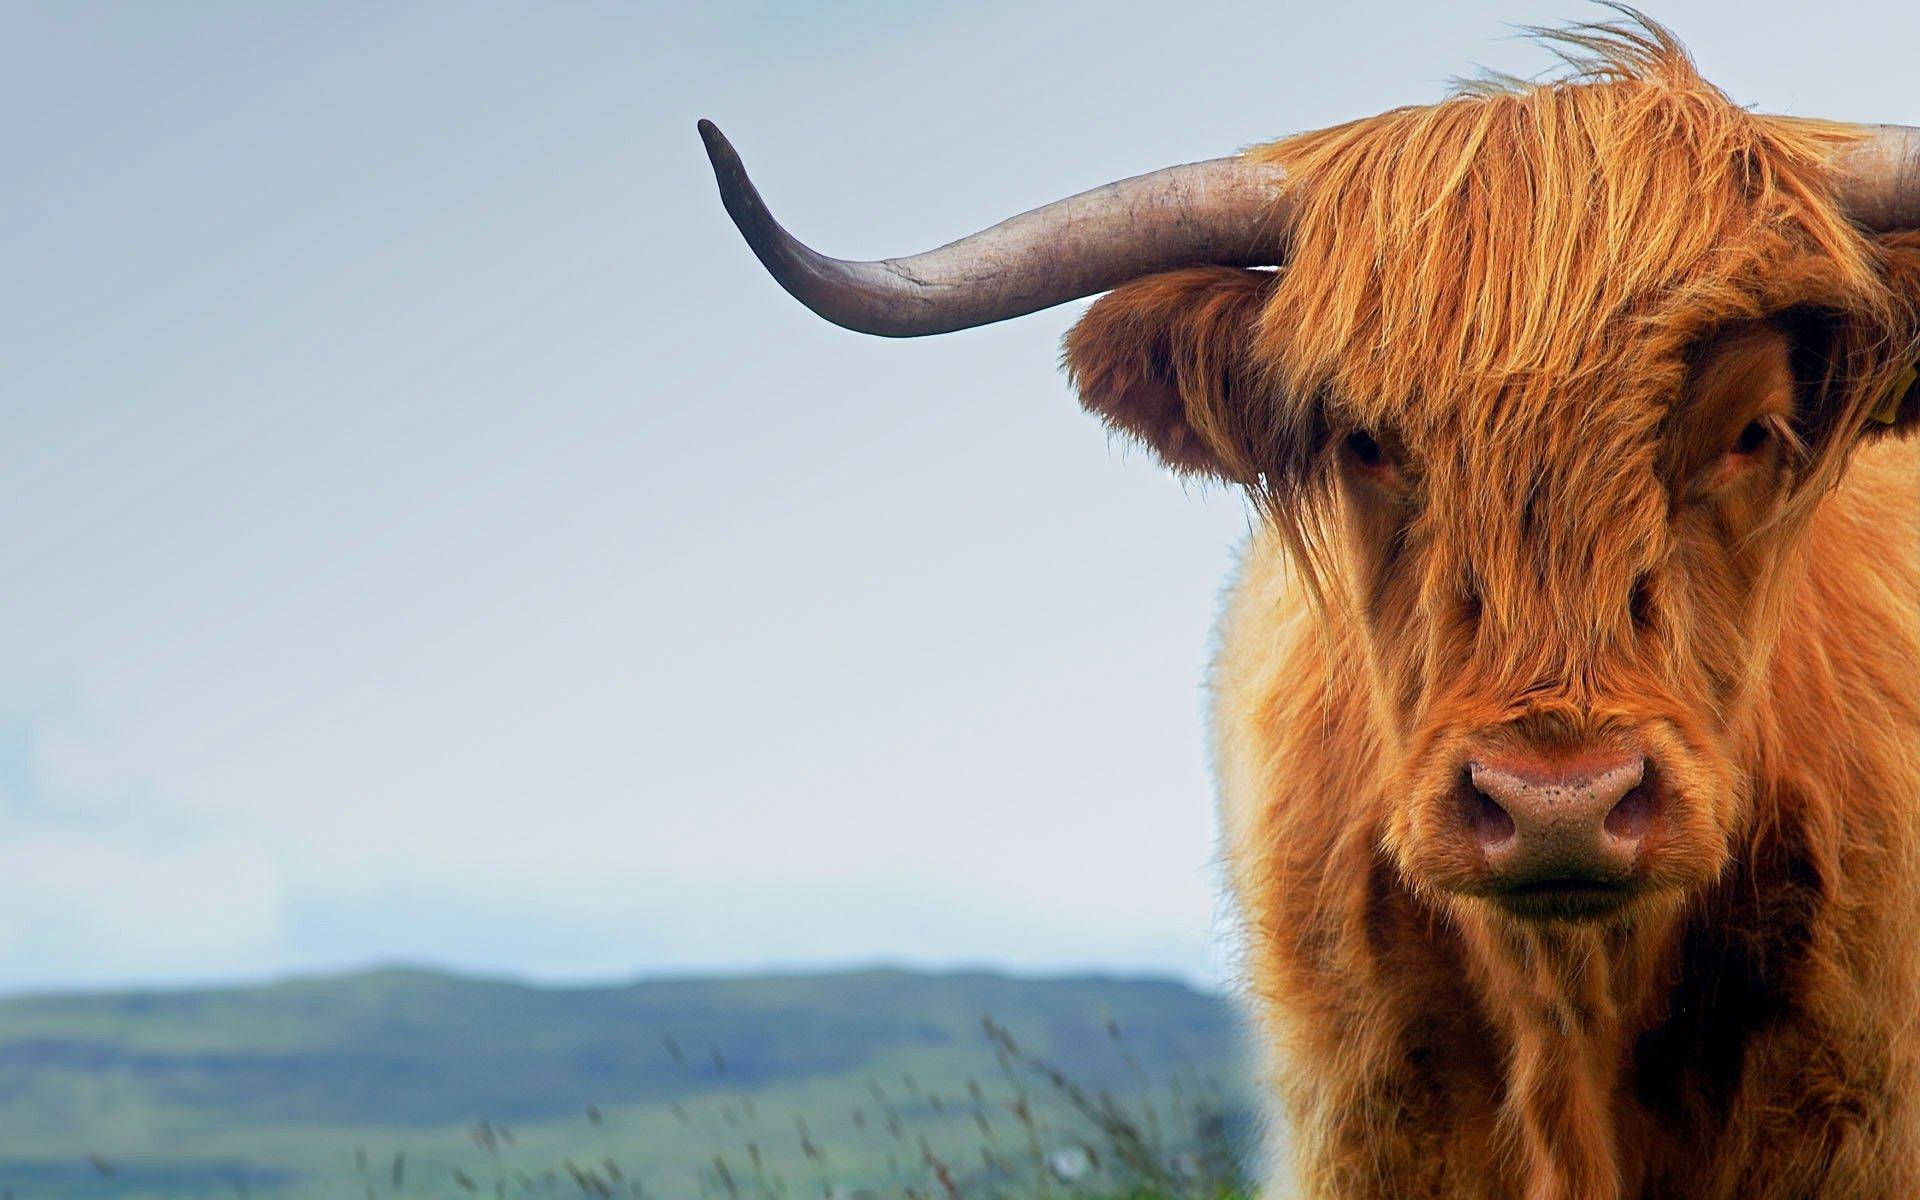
point(1879, 181)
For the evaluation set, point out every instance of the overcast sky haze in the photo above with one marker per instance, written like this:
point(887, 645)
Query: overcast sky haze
point(432, 538)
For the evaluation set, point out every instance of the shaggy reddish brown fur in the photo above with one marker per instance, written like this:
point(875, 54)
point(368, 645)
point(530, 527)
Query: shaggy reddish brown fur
point(1566, 424)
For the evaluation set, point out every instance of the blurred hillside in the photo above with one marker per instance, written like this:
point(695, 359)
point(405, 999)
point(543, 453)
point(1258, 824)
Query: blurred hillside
point(411, 1082)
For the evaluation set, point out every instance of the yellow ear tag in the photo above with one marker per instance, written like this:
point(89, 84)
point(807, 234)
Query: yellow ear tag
point(1897, 396)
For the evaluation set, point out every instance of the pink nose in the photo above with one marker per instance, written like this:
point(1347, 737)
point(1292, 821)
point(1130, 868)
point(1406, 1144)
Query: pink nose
point(1543, 824)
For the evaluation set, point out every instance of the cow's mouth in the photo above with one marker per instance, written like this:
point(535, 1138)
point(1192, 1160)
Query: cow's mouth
point(1564, 899)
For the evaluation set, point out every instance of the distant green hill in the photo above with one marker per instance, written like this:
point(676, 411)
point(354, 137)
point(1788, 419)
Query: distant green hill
point(777, 1085)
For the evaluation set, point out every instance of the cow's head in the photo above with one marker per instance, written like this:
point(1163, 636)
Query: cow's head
point(1542, 395)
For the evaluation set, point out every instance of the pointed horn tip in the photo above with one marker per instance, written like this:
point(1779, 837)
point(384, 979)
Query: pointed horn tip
point(716, 142)
point(737, 193)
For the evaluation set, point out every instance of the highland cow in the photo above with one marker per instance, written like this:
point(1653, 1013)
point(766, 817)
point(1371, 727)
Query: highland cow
point(1567, 708)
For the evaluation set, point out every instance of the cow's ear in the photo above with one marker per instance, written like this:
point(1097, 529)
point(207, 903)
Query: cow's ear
point(1166, 360)
point(1900, 410)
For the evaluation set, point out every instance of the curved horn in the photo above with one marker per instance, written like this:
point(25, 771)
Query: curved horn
point(1880, 178)
point(1226, 212)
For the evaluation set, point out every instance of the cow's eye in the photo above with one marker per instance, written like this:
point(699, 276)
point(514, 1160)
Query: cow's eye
point(1364, 449)
point(1372, 462)
point(1751, 438)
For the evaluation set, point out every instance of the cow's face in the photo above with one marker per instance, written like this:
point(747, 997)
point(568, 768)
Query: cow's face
point(1561, 595)
point(1565, 602)
point(1550, 461)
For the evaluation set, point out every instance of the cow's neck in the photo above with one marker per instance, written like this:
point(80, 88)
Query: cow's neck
point(1570, 999)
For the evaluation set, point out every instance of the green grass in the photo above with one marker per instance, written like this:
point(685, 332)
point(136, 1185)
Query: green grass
point(418, 1084)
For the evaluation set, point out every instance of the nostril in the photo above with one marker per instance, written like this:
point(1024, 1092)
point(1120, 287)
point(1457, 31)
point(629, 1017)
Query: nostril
point(1492, 825)
point(1630, 819)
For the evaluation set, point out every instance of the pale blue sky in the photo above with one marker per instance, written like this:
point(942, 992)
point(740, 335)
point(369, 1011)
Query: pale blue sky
point(433, 538)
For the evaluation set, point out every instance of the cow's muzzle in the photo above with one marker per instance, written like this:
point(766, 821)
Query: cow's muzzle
point(1560, 837)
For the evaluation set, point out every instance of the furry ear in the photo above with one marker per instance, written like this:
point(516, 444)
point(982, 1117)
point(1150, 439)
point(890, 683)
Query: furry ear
point(1901, 413)
point(1166, 361)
